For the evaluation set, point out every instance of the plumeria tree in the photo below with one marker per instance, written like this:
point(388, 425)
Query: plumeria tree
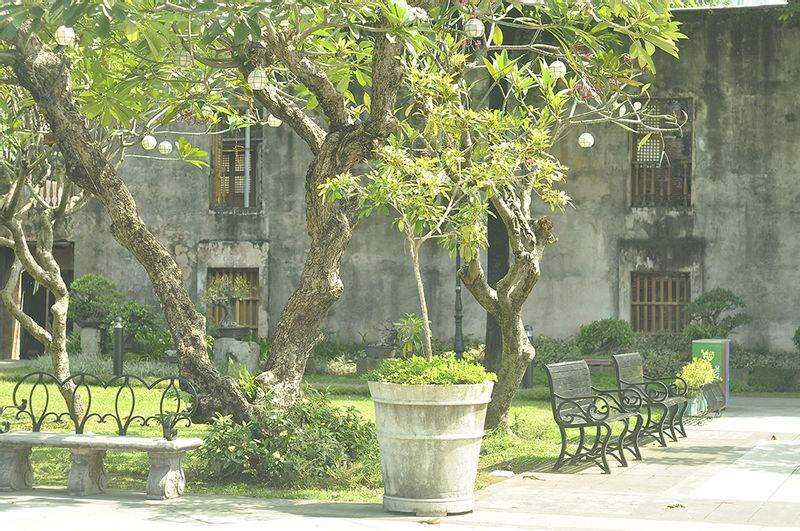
point(342, 75)
point(35, 199)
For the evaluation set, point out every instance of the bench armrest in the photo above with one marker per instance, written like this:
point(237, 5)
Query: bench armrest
point(652, 391)
point(629, 400)
point(582, 409)
point(677, 386)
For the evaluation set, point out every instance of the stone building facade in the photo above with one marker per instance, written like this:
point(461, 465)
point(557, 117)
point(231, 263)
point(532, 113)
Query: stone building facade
point(646, 234)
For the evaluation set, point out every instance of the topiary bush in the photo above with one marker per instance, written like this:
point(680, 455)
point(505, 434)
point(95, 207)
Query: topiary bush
point(311, 444)
point(604, 335)
point(91, 298)
point(714, 314)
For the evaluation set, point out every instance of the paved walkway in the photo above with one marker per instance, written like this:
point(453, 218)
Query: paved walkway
point(739, 472)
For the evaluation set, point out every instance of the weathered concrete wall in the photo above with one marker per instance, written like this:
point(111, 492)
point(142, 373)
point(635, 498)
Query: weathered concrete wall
point(741, 67)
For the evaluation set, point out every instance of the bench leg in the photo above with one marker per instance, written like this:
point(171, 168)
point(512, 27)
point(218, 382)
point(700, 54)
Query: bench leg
point(166, 479)
point(681, 410)
point(15, 468)
point(87, 474)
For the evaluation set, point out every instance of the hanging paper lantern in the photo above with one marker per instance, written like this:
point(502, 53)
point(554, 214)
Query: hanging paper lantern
point(165, 147)
point(64, 35)
point(557, 69)
point(149, 142)
point(274, 121)
point(586, 140)
point(474, 28)
point(258, 79)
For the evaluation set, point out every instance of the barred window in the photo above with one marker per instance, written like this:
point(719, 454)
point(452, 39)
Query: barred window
point(235, 163)
point(245, 311)
point(658, 301)
point(661, 167)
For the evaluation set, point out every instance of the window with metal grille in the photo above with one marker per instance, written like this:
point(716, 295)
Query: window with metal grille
point(658, 301)
point(661, 167)
point(245, 311)
point(235, 163)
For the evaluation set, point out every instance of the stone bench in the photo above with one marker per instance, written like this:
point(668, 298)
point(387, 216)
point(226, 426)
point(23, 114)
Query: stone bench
point(87, 474)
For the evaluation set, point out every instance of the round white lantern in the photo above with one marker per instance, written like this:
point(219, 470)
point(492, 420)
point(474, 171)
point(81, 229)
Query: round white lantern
point(274, 121)
point(149, 142)
point(258, 79)
point(165, 147)
point(183, 59)
point(586, 140)
point(64, 35)
point(557, 69)
point(474, 28)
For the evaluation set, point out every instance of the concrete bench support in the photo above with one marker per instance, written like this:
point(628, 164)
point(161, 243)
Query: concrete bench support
point(87, 474)
point(166, 479)
point(16, 472)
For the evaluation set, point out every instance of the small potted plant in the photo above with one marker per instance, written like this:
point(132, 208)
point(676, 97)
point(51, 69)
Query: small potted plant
point(696, 374)
point(223, 291)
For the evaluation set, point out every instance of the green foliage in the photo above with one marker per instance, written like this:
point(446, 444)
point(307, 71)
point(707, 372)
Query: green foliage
point(74, 343)
point(245, 379)
point(142, 326)
point(555, 350)
point(310, 444)
point(705, 314)
point(224, 288)
point(331, 348)
point(796, 338)
point(409, 334)
point(699, 371)
point(752, 358)
point(91, 298)
point(417, 370)
point(662, 354)
point(604, 334)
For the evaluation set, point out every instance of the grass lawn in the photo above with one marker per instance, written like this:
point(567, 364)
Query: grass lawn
point(534, 444)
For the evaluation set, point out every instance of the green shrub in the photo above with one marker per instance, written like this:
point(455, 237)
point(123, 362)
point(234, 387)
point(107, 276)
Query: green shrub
point(746, 358)
point(440, 370)
point(74, 343)
point(409, 334)
point(662, 354)
point(713, 314)
point(550, 350)
point(91, 298)
point(606, 335)
point(331, 348)
point(796, 339)
point(141, 324)
point(311, 444)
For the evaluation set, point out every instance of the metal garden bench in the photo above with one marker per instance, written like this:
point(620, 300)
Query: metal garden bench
point(32, 402)
point(578, 405)
point(665, 395)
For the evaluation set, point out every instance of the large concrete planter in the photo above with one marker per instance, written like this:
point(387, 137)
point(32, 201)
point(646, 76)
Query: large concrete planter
point(430, 440)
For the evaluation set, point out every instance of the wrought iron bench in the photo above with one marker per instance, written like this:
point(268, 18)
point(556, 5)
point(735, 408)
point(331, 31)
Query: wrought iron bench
point(32, 402)
point(578, 405)
point(663, 395)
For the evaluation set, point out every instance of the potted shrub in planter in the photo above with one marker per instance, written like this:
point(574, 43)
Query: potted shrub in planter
point(696, 374)
point(223, 292)
point(91, 299)
point(429, 415)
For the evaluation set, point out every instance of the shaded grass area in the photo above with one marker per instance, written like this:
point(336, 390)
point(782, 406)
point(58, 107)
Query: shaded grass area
point(532, 444)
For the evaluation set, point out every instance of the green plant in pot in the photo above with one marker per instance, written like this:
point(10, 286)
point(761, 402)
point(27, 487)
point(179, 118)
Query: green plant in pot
point(91, 299)
point(696, 374)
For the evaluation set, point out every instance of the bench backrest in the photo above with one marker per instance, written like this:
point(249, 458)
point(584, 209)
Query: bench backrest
point(629, 368)
point(37, 397)
point(568, 380)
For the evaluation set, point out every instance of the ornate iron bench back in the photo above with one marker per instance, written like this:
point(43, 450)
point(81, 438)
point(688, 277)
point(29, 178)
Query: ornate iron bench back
point(629, 368)
point(569, 380)
point(176, 402)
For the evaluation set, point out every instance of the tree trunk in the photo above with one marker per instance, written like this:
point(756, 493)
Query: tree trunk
point(48, 80)
point(496, 268)
point(516, 355)
point(423, 305)
point(330, 228)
